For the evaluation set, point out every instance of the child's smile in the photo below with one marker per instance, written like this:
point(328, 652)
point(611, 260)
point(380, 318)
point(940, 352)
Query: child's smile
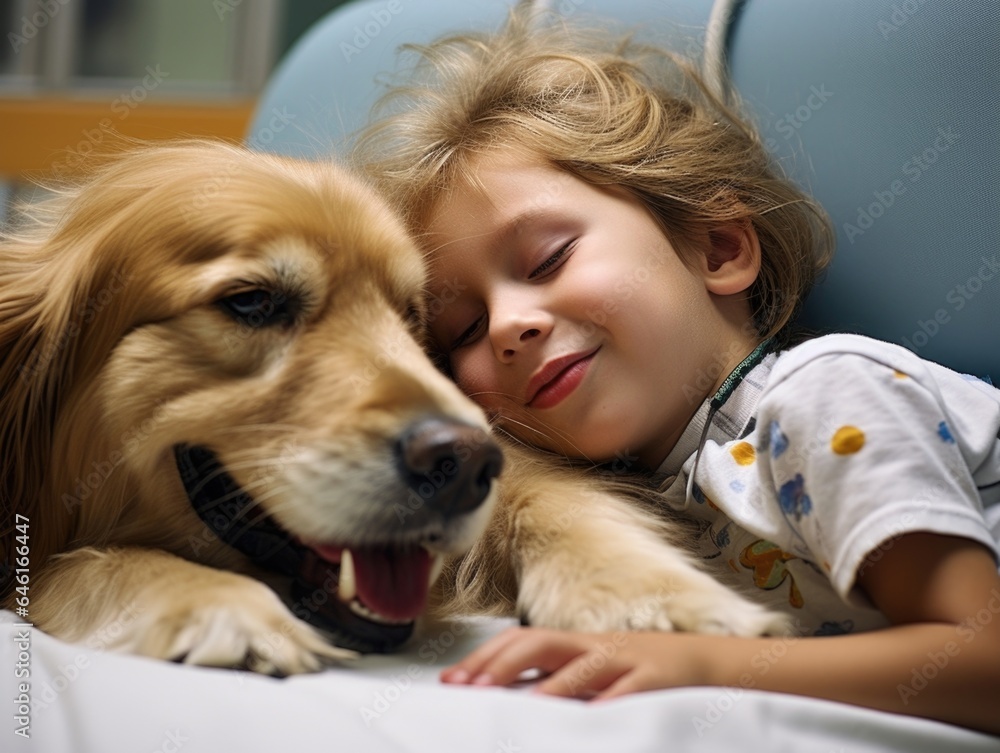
point(576, 322)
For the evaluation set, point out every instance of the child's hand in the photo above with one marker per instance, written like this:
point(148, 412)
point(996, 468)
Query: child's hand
point(587, 665)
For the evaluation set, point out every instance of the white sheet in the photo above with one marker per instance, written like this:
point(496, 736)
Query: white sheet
point(83, 701)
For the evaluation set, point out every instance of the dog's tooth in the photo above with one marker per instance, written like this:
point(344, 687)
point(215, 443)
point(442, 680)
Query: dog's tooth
point(347, 588)
point(362, 611)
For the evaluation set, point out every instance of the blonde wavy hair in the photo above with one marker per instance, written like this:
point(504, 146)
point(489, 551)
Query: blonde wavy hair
point(611, 112)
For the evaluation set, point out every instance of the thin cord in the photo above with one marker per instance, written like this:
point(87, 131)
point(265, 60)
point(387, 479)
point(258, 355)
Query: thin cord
point(718, 400)
point(689, 488)
point(714, 69)
point(539, 5)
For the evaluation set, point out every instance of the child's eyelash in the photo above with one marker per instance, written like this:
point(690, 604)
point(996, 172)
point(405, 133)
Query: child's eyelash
point(551, 260)
point(471, 330)
point(467, 334)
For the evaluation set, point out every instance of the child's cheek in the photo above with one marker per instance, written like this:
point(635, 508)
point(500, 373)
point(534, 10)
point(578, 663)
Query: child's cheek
point(474, 376)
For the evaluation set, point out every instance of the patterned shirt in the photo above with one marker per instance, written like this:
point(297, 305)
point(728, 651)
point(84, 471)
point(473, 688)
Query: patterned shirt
point(825, 453)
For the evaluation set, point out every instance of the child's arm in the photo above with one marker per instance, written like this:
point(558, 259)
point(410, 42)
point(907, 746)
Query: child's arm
point(940, 659)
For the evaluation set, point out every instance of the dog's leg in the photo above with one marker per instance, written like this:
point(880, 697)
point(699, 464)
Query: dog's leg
point(152, 603)
point(595, 561)
point(569, 550)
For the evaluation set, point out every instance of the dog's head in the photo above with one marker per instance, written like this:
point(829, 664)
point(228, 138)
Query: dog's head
point(217, 353)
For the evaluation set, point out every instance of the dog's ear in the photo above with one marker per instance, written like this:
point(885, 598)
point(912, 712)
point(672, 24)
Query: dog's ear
point(51, 288)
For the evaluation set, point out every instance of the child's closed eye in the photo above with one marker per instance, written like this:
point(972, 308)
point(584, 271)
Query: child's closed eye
point(471, 333)
point(553, 262)
point(556, 258)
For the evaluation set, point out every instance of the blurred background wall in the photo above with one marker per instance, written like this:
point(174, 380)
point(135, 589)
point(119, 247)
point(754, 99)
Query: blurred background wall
point(74, 71)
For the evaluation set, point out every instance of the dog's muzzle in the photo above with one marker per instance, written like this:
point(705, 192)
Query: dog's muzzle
point(449, 465)
point(366, 596)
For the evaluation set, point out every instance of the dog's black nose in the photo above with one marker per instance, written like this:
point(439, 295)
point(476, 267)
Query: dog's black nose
point(450, 465)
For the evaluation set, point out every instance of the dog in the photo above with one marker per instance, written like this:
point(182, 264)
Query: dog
point(222, 442)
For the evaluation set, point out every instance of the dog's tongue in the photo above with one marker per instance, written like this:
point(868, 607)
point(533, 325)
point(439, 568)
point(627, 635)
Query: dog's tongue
point(393, 581)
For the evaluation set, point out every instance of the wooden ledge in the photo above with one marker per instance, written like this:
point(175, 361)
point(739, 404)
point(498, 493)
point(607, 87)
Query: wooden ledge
point(45, 133)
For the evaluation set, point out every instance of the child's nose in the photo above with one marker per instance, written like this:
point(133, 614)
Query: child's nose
point(526, 335)
point(515, 327)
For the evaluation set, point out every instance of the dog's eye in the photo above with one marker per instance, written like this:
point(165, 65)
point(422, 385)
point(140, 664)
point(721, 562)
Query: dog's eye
point(258, 308)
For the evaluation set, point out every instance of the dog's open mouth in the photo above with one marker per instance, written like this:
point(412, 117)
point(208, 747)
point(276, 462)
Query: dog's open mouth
point(385, 584)
point(367, 596)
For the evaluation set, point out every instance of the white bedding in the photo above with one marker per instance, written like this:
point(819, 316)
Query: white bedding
point(85, 700)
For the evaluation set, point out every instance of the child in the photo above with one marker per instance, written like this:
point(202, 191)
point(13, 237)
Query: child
point(614, 268)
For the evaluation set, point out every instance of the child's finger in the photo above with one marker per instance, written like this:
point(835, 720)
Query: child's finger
point(626, 684)
point(528, 649)
point(583, 677)
point(544, 650)
point(471, 665)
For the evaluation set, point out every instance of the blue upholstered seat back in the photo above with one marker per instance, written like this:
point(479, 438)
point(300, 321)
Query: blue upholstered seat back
point(887, 111)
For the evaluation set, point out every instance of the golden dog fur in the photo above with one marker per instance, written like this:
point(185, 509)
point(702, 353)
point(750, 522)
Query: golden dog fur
point(114, 351)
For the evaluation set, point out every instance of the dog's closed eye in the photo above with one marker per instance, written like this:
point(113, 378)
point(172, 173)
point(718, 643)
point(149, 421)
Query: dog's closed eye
point(259, 307)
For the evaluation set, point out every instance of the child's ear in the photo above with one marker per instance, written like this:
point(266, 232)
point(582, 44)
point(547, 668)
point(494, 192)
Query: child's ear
point(732, 260)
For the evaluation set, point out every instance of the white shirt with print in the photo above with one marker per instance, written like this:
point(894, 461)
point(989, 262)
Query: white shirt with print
point(825, 453)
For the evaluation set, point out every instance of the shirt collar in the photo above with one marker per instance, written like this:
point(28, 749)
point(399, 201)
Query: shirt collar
point(729, 422)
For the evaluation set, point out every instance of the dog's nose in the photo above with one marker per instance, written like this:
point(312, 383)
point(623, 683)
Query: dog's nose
point(450, 465)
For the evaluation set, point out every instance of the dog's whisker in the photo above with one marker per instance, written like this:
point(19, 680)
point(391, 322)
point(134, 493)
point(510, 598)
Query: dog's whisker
point(545, 432)
point(492, 393)
point(281, 493)
point(236, 493)
point(208, 478)
point(262, 464)
point(515, 408)
point(242, 488)
point(275, 427)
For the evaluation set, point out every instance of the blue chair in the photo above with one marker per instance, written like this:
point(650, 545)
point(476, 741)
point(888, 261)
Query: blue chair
point(884, 110)
point(323, 90)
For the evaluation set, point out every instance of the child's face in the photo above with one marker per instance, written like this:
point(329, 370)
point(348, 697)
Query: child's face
point(566, 313)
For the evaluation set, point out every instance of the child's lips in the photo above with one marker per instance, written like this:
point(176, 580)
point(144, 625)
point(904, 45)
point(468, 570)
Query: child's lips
point(552, 383)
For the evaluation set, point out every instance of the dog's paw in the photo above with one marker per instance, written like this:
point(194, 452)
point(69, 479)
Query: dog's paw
point(664, 596)
point(715, 611)
point(237, 623)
